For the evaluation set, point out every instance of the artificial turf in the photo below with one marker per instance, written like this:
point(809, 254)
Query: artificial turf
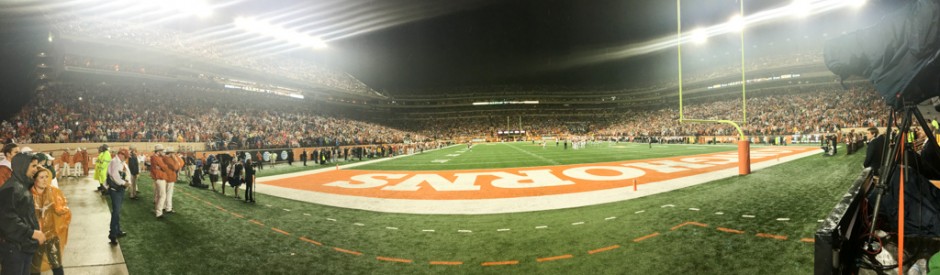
point(202, 239)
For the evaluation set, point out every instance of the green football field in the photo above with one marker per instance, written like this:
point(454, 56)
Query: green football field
point(753, 224)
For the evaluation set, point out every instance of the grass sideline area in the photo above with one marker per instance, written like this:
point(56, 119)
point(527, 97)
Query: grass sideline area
point(659, 234)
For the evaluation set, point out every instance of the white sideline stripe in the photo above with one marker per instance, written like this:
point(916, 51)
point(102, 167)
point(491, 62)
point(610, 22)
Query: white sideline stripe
point(747, 216)
point(305, 214)
point(783, 219)
point(609, 218)
point(391, 228)
point(332, 220)
point(428, 230)
point(577, 223)
point(505, 205)
point(541, 227)
point(638, 212)
point(667, 205)
point(719, 213)
point(464, 231)
point(503, 229)
point(359, 224)
point(534, 155)
point(694, 209)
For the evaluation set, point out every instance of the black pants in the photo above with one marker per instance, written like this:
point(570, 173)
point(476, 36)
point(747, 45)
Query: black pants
point(249, 191)
point(13, 261)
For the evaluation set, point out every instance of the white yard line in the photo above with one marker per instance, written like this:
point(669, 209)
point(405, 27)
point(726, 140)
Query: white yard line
point(534, 155)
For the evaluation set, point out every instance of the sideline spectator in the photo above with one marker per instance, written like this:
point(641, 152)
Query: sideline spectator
point(117, 182)
point(19, 226)
point(54, 218)
point(6, 170)
point(249, 181)
point(101, 168)
point(875, 151)
point(174, 165)
point(133, 166)
point(159, 172)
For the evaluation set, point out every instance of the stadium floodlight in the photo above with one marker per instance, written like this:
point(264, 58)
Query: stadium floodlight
point(801, 8)
point(736, 23)
point(699, 36)
point(279, 32)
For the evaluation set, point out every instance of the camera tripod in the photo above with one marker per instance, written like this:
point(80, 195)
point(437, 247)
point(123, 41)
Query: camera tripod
point(894, 155)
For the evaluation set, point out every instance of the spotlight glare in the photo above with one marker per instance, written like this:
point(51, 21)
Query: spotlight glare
point(279, 32)
point(856, 3)
point(736, 23)
point(801, 8)
point(699, 36)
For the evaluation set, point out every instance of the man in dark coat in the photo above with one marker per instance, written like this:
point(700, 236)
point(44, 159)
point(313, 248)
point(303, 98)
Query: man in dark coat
point(19, 227)
point(874, 151)
point(290, 157)
point(303, 156)
point(134, 166)
point(224, 160)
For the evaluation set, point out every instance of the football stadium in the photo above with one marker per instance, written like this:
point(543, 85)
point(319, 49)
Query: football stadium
point(469, 137)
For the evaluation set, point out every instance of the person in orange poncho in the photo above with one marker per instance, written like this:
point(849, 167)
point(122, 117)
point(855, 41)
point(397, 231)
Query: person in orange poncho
point(54, 217)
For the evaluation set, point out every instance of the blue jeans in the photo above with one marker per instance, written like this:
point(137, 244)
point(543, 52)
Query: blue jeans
point(14, 261)
point(117, 199)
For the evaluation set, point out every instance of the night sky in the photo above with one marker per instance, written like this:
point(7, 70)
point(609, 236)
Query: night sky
point(428, 44)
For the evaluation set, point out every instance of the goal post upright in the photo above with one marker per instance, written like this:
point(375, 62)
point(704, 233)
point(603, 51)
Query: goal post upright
point(744, 156)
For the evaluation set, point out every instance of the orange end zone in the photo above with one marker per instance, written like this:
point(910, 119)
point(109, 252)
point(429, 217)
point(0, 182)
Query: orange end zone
point(519, 182)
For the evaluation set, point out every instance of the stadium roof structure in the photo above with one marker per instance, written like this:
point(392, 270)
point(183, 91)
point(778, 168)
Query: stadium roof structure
point(402, 46)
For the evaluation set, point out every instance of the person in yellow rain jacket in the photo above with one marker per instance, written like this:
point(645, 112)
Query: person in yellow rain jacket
point(101, 167)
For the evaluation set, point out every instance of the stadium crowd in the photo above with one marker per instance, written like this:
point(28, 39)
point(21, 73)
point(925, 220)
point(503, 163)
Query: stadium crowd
point(244, 120)
point(788, 112)
point(224, 118)
point(820, 111)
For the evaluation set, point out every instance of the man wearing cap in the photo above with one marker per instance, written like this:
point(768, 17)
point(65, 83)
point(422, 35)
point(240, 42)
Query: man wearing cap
point(158, 171)
point(101, 167)
point(117, 183)
point(173, 164)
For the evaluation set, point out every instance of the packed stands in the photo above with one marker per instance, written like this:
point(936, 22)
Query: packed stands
point(222, 118)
